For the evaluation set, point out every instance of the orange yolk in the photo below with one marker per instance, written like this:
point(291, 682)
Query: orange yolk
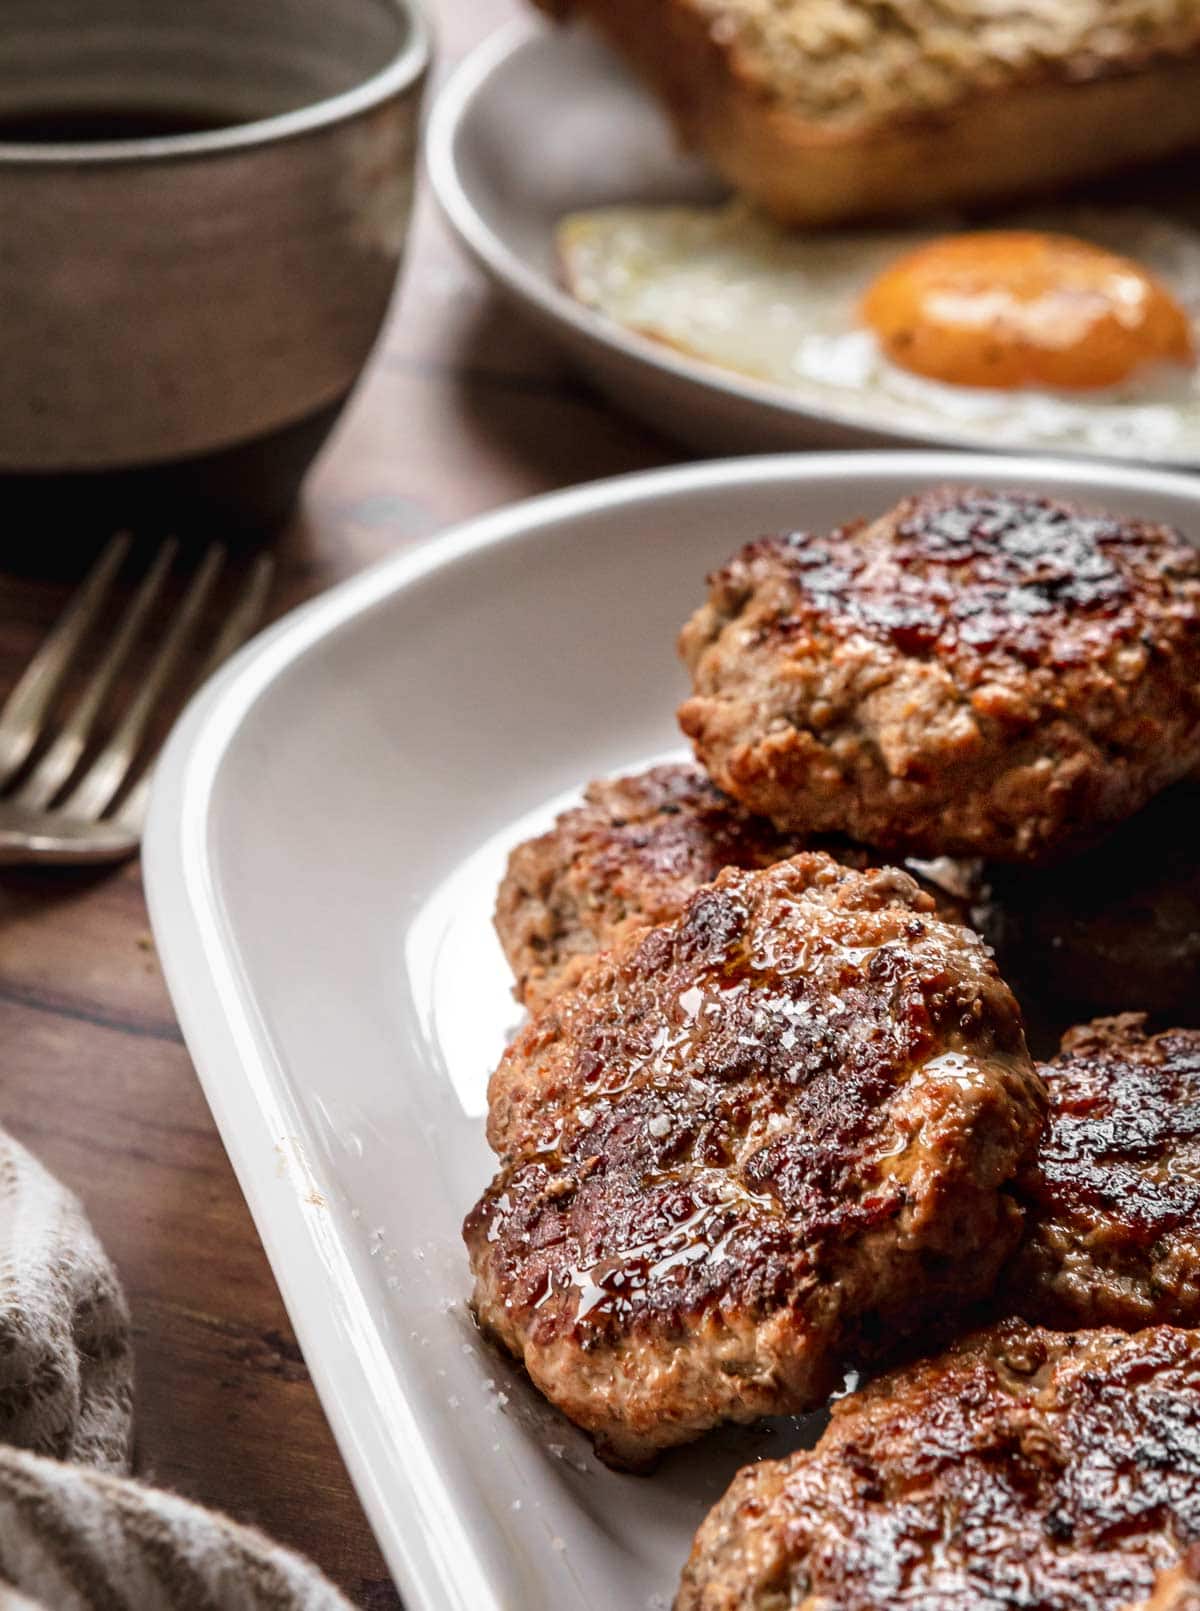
point(1018, 308)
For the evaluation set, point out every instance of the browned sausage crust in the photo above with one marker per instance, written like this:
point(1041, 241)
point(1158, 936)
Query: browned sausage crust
point(626, 858)
point(1023, 1470)
point(746, 1144)
point(1113, 1193)
point(975, 673)
point(630, 856)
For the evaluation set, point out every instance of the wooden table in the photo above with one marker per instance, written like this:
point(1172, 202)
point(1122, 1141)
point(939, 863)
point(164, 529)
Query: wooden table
point(463, 409)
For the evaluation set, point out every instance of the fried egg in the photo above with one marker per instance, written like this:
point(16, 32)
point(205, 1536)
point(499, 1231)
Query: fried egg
point(1072, 329)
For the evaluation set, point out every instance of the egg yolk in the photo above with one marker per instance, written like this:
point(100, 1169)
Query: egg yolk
point(1019, 308)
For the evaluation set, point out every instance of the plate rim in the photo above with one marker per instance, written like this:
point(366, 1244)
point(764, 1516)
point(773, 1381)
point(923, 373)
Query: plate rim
point(555, 307)
point(247, 1089)
point(451, 110)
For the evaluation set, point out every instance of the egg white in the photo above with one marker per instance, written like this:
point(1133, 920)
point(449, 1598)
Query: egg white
point(727, 286)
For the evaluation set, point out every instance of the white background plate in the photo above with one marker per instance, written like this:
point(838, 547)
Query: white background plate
point(538, 123)
point(329, 822)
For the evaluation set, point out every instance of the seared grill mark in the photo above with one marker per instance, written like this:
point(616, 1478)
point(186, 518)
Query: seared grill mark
point(1125, 1122)
point(1113, 1192)
point(974, 673)
point(719, 1128)
point(1001, 575)
point(1024, 1470)
point(632, 854)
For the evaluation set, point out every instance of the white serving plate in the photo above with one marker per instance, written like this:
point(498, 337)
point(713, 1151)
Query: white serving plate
point(329, 822)
point(540, 122)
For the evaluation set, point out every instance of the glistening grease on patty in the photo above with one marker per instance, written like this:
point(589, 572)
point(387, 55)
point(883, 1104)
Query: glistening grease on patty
point(630, 855)
point(1112, 1195)
point(751, 1143)
point(1022, 1470)
point(973, 674)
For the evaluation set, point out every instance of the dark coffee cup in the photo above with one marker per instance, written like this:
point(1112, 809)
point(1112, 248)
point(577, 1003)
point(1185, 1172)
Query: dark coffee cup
point(204, 209)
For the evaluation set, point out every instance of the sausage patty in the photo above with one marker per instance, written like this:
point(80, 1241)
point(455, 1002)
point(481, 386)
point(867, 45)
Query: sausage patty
point(973, 674)
point(1023, 1470)
point(749, 1143)
point(630, 856)
point(1113, 1192)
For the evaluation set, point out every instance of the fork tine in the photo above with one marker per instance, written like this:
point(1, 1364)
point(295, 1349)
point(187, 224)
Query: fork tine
point(54, 769)
point(242, 620)
point(241, 623)
point(95, 791)
point(24, 711)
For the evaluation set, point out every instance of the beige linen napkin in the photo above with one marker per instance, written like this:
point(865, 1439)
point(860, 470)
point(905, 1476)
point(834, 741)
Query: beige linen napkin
point(76, 1539)
point(66, 1369)
point(75, 1534)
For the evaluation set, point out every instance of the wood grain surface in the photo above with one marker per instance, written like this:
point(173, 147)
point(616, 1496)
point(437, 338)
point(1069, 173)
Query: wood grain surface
point(463, 409)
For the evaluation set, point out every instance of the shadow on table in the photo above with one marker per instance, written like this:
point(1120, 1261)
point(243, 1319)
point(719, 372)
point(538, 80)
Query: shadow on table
point(547, 417)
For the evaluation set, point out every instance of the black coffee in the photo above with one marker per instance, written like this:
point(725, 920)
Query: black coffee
point(63, 125)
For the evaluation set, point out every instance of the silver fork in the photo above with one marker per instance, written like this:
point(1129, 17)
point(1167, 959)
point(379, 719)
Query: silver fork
point(58, 813)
